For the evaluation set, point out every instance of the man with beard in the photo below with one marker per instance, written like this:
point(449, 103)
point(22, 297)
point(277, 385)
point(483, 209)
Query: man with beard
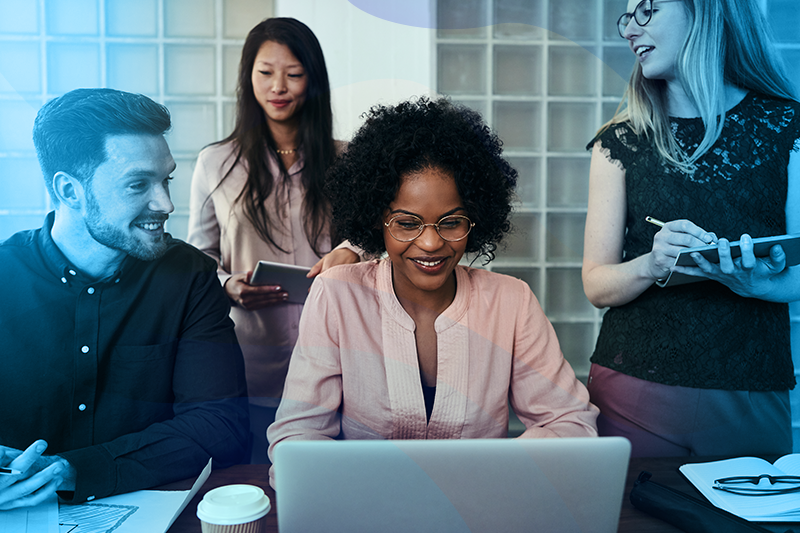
point(118, 355)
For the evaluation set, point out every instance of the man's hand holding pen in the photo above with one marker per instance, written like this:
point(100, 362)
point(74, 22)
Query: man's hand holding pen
point(29, 478)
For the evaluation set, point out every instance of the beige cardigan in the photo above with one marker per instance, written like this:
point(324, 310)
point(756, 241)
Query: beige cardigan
point(218, 227)
point(355, 366)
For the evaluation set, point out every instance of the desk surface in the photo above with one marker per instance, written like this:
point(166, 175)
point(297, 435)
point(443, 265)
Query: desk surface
point(664, 470)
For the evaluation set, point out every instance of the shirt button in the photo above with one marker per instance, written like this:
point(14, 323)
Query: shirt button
point(90, 290)
point(72, 272)
point(85, 349)
point(63, 280)
point(82, 407)
point(90, 498)
point(116, 280)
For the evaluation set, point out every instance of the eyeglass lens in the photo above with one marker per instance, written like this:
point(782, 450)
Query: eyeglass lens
point(642, 14)
point(755, 480)
point(450, 228)
point(742, 485)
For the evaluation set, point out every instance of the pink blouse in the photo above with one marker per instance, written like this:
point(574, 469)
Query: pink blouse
point(355, 370)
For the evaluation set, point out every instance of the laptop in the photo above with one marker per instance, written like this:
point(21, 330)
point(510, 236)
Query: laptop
point(554, 485)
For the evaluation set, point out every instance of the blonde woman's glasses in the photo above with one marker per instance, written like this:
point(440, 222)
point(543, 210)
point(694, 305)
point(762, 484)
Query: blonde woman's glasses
point(642, 14)
point(406, 228)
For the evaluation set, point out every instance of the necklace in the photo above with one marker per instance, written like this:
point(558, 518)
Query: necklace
point(283, 152)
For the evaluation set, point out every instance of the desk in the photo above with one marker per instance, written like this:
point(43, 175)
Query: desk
point(664, 470)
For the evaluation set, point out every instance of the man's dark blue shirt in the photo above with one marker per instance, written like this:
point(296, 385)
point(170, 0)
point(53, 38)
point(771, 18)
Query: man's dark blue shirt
point(136, 379)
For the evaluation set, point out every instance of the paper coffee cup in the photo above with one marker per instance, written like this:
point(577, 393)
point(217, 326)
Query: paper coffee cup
point(234, 509)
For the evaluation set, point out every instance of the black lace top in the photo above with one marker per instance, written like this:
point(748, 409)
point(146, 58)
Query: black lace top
point(702, 334)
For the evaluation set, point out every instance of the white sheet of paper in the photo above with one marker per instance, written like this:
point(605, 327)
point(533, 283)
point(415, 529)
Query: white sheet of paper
point(134, 512)
point(144, 510)
point(40, 519)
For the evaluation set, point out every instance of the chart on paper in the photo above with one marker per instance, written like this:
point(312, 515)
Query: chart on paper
point(153, 511)
point(93, 517)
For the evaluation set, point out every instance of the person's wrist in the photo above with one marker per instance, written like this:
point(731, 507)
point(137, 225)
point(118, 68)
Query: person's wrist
point(655, 273)
point(69, 475)
point(231, 297)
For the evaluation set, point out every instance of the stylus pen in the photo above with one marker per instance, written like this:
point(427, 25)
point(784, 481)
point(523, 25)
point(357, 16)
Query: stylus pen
point(661, 224)
point(654, 221)
point(10, 471)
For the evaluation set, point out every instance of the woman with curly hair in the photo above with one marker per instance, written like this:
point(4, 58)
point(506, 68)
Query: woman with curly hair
point(416, 346)
point(258, 195)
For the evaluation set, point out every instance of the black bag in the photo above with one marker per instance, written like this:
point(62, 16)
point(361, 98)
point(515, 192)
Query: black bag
point(687, 513)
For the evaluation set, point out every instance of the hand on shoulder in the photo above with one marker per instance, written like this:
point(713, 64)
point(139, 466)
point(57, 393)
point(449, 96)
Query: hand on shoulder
point(339, 256)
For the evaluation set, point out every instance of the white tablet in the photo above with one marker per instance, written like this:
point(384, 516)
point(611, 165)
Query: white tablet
point(291, 278)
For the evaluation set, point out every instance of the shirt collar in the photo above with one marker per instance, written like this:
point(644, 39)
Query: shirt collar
point(59, 265)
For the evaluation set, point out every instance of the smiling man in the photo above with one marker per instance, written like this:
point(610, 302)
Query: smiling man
point(119, 359)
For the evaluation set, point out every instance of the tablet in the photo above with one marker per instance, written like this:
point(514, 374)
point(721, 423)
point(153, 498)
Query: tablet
point(761, 248)
point(291, 278)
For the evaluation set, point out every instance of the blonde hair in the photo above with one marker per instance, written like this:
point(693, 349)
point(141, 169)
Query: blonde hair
point(728, 42)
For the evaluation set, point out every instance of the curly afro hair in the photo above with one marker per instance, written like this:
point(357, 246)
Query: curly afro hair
point(407, 138)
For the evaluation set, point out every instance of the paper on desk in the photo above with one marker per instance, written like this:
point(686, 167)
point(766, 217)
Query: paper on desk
point(134, 512)
point(40, 519)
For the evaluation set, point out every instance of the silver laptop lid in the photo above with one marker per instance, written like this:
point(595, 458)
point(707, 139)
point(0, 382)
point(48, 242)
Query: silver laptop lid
point(472, 485)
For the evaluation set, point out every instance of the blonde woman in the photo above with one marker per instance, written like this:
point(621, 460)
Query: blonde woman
point(708, 143)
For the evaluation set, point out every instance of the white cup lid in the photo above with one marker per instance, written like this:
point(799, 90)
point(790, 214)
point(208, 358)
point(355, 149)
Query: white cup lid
point(233, 504)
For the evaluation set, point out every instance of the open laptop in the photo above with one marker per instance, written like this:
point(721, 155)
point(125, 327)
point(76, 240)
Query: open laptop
point(474, 485)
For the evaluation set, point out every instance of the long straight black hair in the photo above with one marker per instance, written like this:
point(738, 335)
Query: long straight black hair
point(252, 138)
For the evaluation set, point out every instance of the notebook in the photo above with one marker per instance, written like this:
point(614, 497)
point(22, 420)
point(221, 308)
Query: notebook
point(473, 485)
point(771, 508)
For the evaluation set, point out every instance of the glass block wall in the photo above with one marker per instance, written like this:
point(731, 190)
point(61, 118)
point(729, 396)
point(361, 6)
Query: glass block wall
point(546, 74)
point(181, 53)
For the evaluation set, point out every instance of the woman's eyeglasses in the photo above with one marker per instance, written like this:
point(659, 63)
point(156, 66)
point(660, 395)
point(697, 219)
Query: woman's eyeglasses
point(406, 228)
point(642, 14)
point(777, 485)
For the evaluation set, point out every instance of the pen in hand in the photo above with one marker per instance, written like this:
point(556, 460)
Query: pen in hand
point(9, 471)
point(661, 224)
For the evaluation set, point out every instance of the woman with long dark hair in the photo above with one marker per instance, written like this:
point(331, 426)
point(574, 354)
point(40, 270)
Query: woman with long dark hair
point(258, 195)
